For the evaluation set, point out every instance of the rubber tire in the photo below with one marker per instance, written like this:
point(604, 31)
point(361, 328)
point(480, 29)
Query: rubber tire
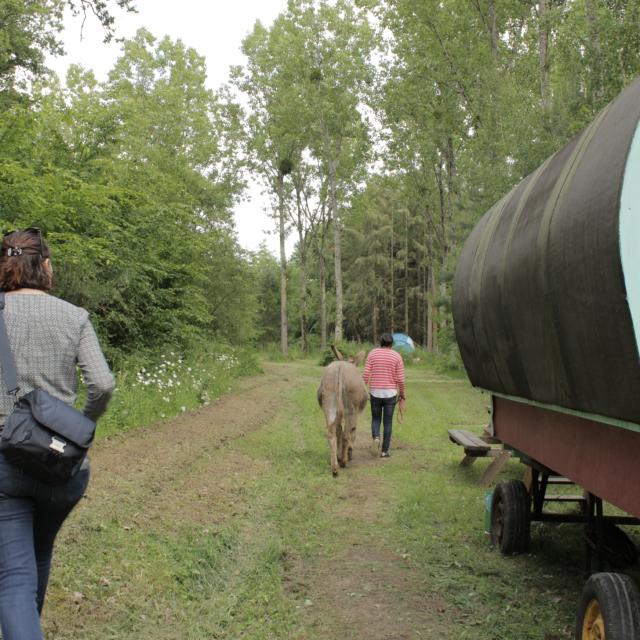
point(511, 517)
point(619, 602)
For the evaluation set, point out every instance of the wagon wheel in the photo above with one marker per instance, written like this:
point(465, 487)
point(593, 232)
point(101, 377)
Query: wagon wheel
point(609, 609)
point(510, 517)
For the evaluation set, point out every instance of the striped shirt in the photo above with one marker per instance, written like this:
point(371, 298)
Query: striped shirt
point(384, 369)
point(50, 339)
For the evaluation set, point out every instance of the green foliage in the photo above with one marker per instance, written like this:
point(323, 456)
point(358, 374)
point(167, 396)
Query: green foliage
point(326, 357)
point(472, 96)
point(133, 181)
point(273, 353)
point(30, 30)
point(267, 277)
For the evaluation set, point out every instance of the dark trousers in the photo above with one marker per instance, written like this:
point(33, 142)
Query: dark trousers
point(382, 411)
point(31, 514)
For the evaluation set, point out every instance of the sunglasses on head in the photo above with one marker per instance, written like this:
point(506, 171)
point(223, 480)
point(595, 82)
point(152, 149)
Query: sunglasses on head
point(27, 230)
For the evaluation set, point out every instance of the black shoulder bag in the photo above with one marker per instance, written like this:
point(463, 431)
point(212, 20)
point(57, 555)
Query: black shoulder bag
point(43, 435)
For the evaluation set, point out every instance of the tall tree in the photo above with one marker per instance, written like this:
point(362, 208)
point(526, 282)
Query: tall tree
point(339, 44)
point(305, 80)
point(276, 125)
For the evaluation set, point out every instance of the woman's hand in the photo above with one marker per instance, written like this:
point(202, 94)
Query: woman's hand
point(401, 406)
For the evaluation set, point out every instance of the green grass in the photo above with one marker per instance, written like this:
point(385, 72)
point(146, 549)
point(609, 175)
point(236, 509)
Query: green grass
point(169, 578)
point(440, 516)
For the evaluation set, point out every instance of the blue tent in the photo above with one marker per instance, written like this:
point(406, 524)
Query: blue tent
point(402, 342)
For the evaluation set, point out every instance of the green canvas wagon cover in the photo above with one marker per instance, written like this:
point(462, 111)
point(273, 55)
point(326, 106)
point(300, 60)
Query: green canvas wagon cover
point(546, 298)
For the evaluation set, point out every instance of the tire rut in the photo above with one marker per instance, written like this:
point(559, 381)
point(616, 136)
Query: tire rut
point(153, 465)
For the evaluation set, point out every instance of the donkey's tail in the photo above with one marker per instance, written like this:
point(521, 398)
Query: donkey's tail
point(339, 398)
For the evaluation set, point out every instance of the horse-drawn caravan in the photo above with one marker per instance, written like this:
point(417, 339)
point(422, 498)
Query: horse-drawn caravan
point(547, 315)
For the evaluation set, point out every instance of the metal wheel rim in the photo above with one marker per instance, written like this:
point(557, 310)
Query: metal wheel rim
point(593, 623)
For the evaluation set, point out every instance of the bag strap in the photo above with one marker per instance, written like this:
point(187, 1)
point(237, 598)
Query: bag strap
point(9, 371)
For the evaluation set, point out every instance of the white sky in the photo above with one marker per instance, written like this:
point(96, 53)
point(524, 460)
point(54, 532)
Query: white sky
point(215, 29)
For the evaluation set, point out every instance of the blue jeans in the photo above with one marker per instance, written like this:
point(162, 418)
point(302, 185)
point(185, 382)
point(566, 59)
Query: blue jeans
point(31, 514)
point(382, 411)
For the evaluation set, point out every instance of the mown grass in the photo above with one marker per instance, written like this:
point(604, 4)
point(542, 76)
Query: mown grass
point(166, 578)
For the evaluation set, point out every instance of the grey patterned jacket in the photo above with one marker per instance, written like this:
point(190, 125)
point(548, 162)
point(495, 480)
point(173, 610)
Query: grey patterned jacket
point(50, 338)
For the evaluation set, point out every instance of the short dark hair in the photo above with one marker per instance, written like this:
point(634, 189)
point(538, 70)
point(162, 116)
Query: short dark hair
point(22, 261)
point(386, 340)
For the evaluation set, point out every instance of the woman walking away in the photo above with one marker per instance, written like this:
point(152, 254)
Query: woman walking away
point(49, 338)
point(384, 374)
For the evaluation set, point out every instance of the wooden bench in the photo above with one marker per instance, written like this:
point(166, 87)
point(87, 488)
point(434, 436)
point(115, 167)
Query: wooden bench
point(480, 447)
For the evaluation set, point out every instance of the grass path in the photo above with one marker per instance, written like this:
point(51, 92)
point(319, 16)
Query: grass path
point(226, 523)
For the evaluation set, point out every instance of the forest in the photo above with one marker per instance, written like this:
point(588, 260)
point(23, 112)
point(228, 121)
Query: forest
point(382, 130)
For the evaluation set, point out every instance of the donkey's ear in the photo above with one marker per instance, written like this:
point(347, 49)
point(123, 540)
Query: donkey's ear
point(336, 353)
point(359, 358)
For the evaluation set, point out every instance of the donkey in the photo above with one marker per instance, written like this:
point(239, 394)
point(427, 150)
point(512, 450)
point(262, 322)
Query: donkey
point(342, 395)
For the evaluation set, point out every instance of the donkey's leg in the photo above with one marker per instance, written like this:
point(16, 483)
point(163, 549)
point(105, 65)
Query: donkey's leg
point(342, 457)
point(350, 433)
point(333, 446)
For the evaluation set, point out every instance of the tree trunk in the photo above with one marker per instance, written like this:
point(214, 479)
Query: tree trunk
point(424, 309)
point(444, 218)
point(596, 79)
point(433, 322)
point(337, 246)
point(443, 294)
point(447, 167)
point(429, 311)
point(303, 296)
point(392, 292)
point(302, 250)
point(491, 24)
point(426, 334)
point(374, 321)
point(406, 272)
point(323, 300)
point(543, 46)
point(284, 345)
